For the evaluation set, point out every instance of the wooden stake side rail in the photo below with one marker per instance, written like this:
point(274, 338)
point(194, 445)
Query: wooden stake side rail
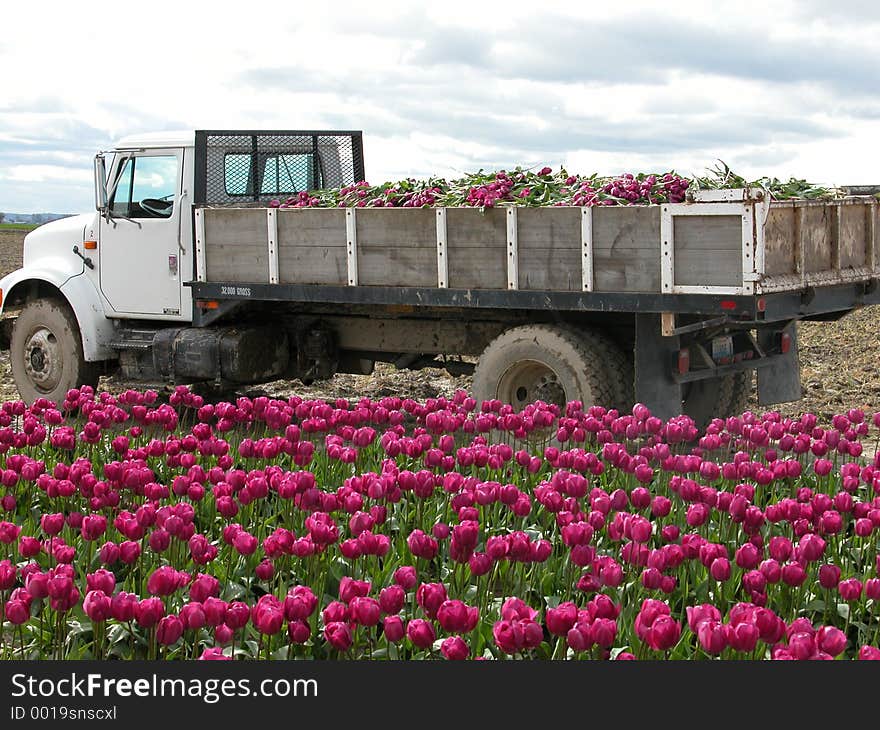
point(729, 245)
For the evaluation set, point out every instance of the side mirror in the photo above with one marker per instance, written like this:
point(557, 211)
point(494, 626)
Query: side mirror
point(100, 184)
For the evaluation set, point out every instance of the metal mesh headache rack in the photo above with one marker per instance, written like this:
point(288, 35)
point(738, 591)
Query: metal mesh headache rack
point(247, 167)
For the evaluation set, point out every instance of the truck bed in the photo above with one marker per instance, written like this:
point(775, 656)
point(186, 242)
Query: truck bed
point(728, 242)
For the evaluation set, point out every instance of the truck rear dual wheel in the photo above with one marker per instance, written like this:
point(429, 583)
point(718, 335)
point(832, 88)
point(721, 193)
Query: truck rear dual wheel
point(557, 364)
point(717, 397)
point(46, 352)
point(549, 363)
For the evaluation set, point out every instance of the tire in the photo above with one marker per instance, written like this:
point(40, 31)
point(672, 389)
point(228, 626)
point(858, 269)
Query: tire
point(741, 392)
point(552, 364)
point(616, 365)
point(46, 352)
point(718, 397)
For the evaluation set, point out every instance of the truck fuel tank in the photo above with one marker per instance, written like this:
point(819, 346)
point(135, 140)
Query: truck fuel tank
point(235, 354)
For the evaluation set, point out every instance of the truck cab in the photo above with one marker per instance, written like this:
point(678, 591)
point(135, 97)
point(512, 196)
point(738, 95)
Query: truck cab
point(94, 288)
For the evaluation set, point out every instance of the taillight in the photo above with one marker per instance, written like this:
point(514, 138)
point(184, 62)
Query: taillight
point(785, 342)
point(684, 360)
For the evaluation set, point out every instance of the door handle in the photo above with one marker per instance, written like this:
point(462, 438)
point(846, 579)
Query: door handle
point(86, 260)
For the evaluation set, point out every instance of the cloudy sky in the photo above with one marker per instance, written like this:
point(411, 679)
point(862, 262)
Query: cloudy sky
point(778, 88)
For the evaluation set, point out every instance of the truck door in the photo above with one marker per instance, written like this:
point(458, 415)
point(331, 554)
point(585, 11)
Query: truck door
point(139, 245)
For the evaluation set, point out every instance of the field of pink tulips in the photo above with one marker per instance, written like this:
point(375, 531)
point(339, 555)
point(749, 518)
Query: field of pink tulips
point(391, 529)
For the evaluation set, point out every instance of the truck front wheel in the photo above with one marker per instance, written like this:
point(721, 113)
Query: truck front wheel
point(542, 362)
point(46, 352)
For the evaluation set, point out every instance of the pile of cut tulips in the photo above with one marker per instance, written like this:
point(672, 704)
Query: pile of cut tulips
point(543, 187)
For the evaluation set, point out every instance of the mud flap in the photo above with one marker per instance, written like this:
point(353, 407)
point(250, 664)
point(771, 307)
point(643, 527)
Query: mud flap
point(781, 381)
point(654, 355)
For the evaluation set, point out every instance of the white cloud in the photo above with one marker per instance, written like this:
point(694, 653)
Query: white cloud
point(43, 173)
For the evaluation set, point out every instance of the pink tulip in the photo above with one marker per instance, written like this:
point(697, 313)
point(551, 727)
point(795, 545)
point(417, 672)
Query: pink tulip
point(405, 577)
point(391, 599)
point(299, 631)
point(664, 633)
point(421, 633)
point(350, 588)
point(338, 635)
point(457, 618)
point(561, 620)
point(430, 596)
point(393, 628)
point(455, 648)
point(300, 603)
point(268, 615)
point(215, 610)
point(148, 612)
point(237, 615)
point(850, 589)
point(169, 630)
point(97, 606)
point(365, 611)
point(204, 586)
point(215, 653)
point(8, 575)
point(17, 611)
point(193, 616)
point(831, 640)
point(697, 615)
point(164, 581)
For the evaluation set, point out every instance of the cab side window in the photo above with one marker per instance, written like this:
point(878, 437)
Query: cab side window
point(147, 187)
point(278, 174)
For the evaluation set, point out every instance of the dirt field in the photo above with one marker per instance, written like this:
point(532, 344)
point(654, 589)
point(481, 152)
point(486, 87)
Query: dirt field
point(10, 250)
point(839, 365)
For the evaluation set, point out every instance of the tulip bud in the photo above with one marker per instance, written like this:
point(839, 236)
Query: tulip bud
point(97, 606)
point(17, 611)
point(455, 648)
point(148, 611)
point(831, 640)
point(299, 632)
point(391, 599)
point(338, 635)
point(267, 615)
point(237, 615)
point(169, 630)
point(421, 633)
point(393, 628)
point(561, 620)
point(405, 577)
point(193, 616)
point(365, 611)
